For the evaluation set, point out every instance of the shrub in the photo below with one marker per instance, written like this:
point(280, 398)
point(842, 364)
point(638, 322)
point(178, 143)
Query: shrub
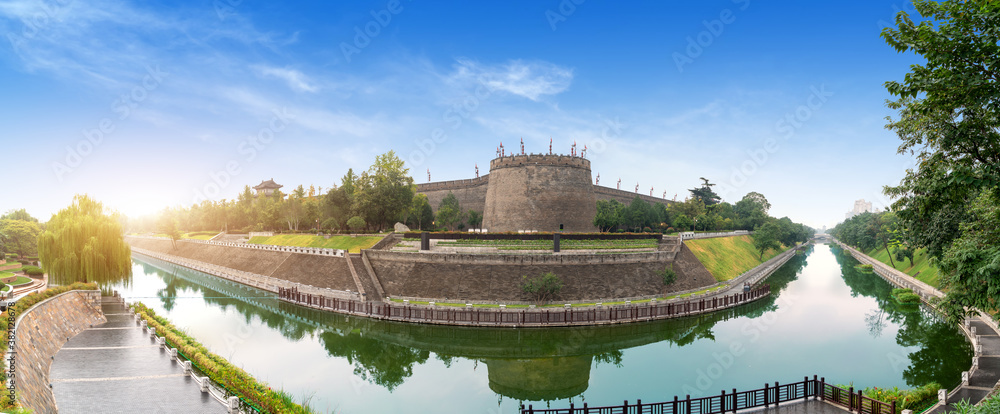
point(356, 223)
point(865, 268)
point(543, 287)
point(668, 275)
point(905, 399)
point(908, 298)
point(32, 270)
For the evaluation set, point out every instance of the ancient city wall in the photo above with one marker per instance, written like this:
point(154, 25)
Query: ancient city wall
point(483, 278)
point(320, 271)
point(540, 192)
point(40, 333)
point(626, 197)
point(471, 194)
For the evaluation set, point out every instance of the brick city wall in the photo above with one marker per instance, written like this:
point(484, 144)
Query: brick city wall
point(471, 194)
point(40, 333)
point(540, 192)
point(597, 277)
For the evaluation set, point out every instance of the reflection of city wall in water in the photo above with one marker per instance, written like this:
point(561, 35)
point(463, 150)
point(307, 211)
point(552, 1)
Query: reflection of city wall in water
point(527, 364)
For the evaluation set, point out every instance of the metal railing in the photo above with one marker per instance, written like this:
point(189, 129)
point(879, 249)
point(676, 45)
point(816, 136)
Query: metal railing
point(502, 316)
point(816, 389)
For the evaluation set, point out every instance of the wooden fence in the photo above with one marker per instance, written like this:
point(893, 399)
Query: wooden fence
point(500, 316)
point(814, 388)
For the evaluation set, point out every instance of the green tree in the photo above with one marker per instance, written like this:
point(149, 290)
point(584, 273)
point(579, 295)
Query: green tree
point(948, 118)
point(167, 224)
point(752, 210)
point(336, 207)
point(384, 191)
point(449, 211)
point(84, 243)
point(475, 218)
point(20, 236)
point(20, 214)
point(543, 287)
point(766, 237)
point(356, 223)
point(705, 193)
point(421, 214)
point(683, 222)
point(668, 275)
point(608, 216)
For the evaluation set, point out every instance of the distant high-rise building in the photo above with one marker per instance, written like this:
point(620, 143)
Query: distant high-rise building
point(860, 206)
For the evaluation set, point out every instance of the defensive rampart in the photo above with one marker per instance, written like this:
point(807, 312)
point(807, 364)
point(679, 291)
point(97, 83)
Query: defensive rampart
point(471, 194)
point(540, 192)
point(626, 197)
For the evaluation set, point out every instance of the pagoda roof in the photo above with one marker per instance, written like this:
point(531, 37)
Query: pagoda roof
point(268, 184)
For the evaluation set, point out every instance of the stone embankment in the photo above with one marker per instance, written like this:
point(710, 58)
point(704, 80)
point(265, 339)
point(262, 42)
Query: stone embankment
point(39, 334)
point(981, 331)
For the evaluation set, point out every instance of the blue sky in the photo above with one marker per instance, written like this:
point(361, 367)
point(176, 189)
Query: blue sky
point(148, 104)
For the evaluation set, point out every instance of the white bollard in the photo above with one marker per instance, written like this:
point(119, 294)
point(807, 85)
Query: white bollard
point(173, 353)
point(203, 381)
point(187, 367)
point(152, 332)
point(943, 396)
point(975, 362)
point(907, 411)
point(234, 404)
point(965, 378)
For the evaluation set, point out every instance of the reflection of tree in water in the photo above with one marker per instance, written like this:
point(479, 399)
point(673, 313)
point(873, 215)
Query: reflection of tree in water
point(380, 362)
point(944, 352)
point(385, 353)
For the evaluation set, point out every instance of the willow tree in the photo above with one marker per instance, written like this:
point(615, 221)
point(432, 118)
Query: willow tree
point(84, 243)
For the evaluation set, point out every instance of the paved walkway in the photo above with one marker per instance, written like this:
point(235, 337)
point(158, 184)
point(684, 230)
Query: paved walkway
point(117, 368)
point(801, 407)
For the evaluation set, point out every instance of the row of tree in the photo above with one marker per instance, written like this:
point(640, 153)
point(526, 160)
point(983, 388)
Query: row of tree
point(870, 231)
point(371, 201)
point(949, 119)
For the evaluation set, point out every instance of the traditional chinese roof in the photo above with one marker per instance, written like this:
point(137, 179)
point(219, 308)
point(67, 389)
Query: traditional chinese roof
point(269, 184)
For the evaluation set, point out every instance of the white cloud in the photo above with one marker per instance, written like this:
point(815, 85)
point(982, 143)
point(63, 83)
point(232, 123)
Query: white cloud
point(531, 80)
point(296, 80)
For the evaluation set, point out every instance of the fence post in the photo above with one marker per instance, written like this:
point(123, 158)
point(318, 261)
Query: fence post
point(734, 400)
point(861, 402)
point(850, 399)
point(822, 389)
point(687, 403)
point(674, 411)
point(777, 394)
point(723, 397)
point(892, 407)
point(766, 395)
point(815, 382)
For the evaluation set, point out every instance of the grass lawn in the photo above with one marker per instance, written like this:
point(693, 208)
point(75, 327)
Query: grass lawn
point(21, 280)
point(921, 269)
point(728, 257)
point(352, 244)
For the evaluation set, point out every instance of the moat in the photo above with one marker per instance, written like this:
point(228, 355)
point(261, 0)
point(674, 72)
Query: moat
point(823, 317)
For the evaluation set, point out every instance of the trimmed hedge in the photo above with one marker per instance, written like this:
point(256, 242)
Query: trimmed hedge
point(219, 369)
point(21, 306)
point(32, 270)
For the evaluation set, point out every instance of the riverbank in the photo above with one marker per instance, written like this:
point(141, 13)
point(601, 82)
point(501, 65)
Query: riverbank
point(982, 332)
point(431, 313)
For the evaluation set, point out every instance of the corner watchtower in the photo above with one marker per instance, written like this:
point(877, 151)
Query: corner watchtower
point(543, 192)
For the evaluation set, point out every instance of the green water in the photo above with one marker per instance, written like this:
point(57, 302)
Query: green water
point(824, 318)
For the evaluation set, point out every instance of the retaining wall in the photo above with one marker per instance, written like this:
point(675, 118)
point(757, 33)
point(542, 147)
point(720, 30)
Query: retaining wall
point(40, 332)
point(485, 278)
point(471, 194)
point(322, 271)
